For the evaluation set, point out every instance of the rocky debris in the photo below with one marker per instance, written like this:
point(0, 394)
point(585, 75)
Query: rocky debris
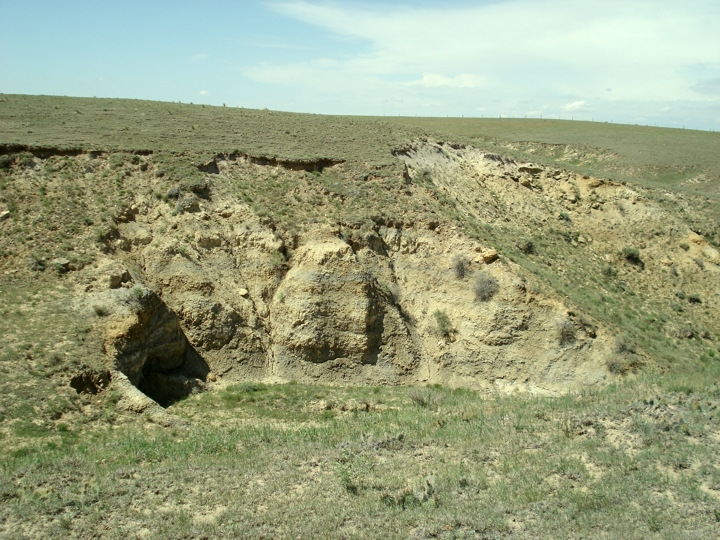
point(137, 233)
point(112, 274)
point(530, 169)
point(4, 215)
point(61, 264)
point(187, 203)
point(489, 255)
point(127, 214)
point(118, 277)
point(208, 240)
point(90, 381)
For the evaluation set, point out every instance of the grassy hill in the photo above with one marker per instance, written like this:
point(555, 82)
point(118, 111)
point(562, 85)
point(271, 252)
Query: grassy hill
point(614, 227)
point(661, 157)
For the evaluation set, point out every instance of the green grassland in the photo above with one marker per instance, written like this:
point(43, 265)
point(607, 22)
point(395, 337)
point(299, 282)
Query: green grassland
point(631, 461)
point(637, 459)
point(116, 124)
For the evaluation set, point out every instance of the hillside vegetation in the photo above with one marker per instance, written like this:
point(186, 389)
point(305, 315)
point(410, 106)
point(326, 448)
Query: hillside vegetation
point(420, 328)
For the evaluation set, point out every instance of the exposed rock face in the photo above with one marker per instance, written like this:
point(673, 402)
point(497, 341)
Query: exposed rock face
point(360, 303)
point(343, 309)
point(145, 341)
point(331, 319)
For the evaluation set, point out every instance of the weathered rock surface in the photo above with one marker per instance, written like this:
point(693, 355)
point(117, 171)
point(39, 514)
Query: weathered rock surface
point(219, 288)
point(146, 344)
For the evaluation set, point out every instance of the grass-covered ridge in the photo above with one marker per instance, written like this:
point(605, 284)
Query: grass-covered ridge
point(121, 124)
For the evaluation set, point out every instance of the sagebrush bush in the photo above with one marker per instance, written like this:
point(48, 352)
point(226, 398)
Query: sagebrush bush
point(526, 246)
point(565, 329)
point(608, 271)
point(485, 287)
point(101, 310)
point(426, 400)
point(444, 326)
point(632, 255)
point(460, 266)
point(623, 345)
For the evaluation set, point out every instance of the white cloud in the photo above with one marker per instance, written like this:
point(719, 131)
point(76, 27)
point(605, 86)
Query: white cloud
point(435, 80)
point(519, 54)
point(203, 93)
point(666, 109)
point(577, 106)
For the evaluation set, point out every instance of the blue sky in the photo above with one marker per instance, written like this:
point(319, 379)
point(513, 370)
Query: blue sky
point(631, 61)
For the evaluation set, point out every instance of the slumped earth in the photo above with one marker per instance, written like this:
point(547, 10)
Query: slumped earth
point(234, 323)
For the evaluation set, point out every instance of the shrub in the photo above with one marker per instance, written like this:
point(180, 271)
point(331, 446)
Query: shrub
point(526, 246)
point(36, 263)
point(565, 331)
point(117, 161)
point(619, 366)
point(426, 399)
point(460, 266)
point(623, 345)
point(684, 246)
point(137, 292)
point(564, 216)
point(608, 271)
point(632, 255)
point(173, 193)
point(485, 287)
point(444, 325)
point(24, 159)
point(694, 299)
point(700, 263)
point(100, 310)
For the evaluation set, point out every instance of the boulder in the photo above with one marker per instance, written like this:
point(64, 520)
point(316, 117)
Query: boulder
point(61, 264)
point(489, 255)
point(117, 277)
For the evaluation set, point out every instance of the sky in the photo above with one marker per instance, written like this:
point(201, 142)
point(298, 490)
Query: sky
point(626, 61)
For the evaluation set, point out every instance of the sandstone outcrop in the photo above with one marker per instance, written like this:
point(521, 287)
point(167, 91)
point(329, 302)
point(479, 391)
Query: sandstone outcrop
point(196, 279)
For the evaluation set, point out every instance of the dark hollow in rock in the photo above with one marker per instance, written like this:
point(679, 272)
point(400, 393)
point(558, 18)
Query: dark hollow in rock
point(156, 356)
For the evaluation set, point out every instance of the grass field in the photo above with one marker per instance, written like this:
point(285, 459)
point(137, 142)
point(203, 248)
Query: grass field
point(632, 461)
